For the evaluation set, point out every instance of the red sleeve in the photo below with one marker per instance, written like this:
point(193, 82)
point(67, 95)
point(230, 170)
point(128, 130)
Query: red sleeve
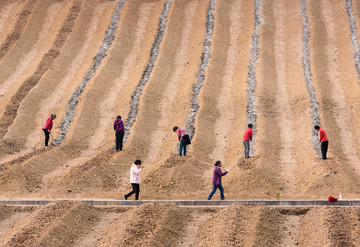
point(250, 135)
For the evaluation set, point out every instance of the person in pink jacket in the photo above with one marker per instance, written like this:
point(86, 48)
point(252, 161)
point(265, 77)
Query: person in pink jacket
point(135, 179)
point(47, 128)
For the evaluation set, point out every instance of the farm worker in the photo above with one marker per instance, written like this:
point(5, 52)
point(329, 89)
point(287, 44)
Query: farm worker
point(135, 179)
point(216, 180)
point(119, 133)
point(323, 139)
point(248, 135)
point(47, 128)
point(183, 138)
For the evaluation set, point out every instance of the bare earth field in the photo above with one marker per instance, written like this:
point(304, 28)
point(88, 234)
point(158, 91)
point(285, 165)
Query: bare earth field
point(208, 66)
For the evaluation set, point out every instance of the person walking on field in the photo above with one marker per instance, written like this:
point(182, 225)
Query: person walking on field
point(216, 180)
point(47, 128)
point(135, 179)
point(119, 133)
point(248, 135)
point(323, 139)
point(183, 138)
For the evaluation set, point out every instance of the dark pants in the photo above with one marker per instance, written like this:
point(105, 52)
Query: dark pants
point(324, 148)
point(182, 147)
point(119, 139)
point(47, 136)
point(215, 187)
point(247, 149)
point(136, 191)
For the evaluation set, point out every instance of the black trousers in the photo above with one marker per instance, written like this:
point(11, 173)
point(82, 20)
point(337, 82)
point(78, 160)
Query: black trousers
point(47, 136)
point(136, 191)
point(324, 148)
point(119, 139)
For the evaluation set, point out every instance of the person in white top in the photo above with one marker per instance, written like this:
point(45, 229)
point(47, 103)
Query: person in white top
point(135, 179)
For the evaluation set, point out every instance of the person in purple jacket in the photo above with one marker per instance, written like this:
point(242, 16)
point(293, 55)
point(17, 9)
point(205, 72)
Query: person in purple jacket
point(119, 133)
point(216, 180)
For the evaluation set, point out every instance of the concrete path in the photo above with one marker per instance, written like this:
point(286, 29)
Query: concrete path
point(298, 203)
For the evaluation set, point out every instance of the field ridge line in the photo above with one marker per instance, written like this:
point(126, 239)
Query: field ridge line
point(154, 53)
point(314, 104)
point(251, 80)
point(205, 57)
point(355, 42)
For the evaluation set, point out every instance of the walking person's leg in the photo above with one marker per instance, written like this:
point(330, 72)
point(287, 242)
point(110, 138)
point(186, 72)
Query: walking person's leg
point(47, 137)
point(212, 192)
point(221, 188)
point(184, 148)
point(137, 191)
point(131, 192)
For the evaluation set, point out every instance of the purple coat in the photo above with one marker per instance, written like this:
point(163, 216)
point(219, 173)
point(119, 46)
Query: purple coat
point(216, 180)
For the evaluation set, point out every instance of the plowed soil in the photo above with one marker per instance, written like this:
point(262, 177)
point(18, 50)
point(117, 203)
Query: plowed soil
point(210, 67)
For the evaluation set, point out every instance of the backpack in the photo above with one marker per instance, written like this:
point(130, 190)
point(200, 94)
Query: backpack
point(186, 139)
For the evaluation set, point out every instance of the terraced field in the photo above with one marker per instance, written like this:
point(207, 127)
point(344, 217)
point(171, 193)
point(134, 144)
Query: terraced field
point(209, 66)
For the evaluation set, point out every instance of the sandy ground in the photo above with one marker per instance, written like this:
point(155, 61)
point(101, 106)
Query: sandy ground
point(270, 63)
point(75, 224)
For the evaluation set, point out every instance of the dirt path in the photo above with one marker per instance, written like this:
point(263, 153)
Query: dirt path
point(225, 100)
point(235, 148)
point(321, 77)
point(291, 228)
point(192, 229)
point(285, 118)
point(268, 129)
point(9, 223)
point(265, 110)
point(96, 234)
point(344, 113)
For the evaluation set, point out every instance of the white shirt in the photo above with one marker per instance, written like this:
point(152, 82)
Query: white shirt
point(135, 174)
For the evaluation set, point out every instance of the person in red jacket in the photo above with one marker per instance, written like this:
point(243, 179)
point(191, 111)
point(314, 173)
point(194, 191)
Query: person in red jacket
point(248, 135)
point(47, 128)
point(323, 139)
point(216, 180)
